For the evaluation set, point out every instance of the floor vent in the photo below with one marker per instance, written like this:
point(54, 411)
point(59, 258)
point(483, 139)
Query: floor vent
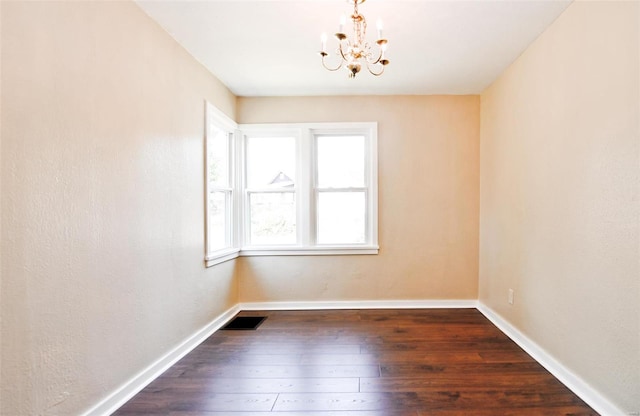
point(245, 323)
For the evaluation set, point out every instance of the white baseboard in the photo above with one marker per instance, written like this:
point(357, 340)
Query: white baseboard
point(581, 388)
point(130, 388)
point(133, 386)
point(359, 304)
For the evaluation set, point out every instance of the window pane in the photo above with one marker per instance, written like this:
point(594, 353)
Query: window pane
point(341, 161)
point(218, 156)
point(273, 218)
point(217, 235)
point(341, 217)
point(271, 162)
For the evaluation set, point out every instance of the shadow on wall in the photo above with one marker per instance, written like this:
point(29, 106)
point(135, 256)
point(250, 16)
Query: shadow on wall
point(306, 278)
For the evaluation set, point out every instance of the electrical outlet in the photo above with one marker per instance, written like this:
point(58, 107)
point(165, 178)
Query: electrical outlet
point(510, 298)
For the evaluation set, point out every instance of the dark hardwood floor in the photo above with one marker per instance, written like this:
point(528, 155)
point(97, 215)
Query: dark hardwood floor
point(359, 363)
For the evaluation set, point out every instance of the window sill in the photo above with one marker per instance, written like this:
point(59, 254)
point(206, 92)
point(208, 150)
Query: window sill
point(230, 254)
point(221, 256)
point(309, 251)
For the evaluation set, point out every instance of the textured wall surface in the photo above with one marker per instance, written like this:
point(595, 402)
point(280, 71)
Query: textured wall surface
point(102, 201)
point(102, 225)
point(560, 204)
point(428, 203)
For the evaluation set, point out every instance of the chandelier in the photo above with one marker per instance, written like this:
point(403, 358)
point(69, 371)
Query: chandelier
point(356, 52)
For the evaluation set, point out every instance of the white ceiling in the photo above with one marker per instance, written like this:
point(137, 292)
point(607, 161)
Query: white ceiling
point(269, 47)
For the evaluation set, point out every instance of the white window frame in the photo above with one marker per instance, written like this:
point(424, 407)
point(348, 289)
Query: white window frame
point(306, 189)
point(217, 118)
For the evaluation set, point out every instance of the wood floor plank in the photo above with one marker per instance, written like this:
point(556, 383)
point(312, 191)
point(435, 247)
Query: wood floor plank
point(429, 357)
point(416, 383)
point(385, 412)
point(471, 370)
point(521, 411)
point(494, 344)
point(257, 385)
point(228, 358)
point(282, 371)
point(332, 402)
point(339, 359)
point(442, 362)
point(175, 400)
point(278, 348)
point(227, 402)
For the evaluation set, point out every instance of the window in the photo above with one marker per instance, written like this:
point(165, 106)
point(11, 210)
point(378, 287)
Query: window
point(220, 185)
point(270, 190)
point(310, 189)
point(341, 189)
point(294, 189)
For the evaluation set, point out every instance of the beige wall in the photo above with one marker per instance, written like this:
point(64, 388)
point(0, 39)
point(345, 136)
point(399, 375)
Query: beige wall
point(101, 163)
point(428, 204)
point(559, 191)
point(102, 201)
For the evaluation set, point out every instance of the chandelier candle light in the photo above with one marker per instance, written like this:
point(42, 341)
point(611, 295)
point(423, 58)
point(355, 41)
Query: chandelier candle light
point(357, 52)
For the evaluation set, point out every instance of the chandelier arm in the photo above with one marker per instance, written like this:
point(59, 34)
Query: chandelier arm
point(344, 58)
point(324, 55)
point(377, 74)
